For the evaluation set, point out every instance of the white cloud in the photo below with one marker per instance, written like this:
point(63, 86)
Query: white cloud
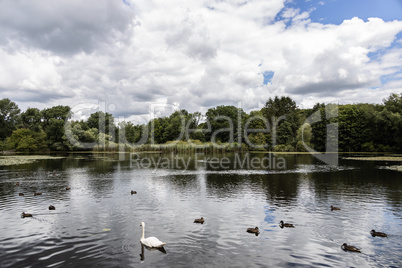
point(197, 54)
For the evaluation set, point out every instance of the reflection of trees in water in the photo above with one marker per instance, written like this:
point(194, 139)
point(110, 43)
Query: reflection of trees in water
point(224, 185)
point(183, 183)
point(280, 189)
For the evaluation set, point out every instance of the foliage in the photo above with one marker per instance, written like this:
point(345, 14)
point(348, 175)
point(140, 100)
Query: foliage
point(226, 124)
point(9, 112)
point(278, 126)
point(31, 119)
point(25, 140)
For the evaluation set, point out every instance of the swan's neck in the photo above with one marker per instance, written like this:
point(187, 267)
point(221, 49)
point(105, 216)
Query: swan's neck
point(143, 232)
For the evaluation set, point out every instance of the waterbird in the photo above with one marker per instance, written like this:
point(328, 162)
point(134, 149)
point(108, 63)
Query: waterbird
point(282, 224)
point(334, 208)
point(133, 192)
point(255, 230)
point(23, 215)
point(21, 194)
point(68, 188)
point(35, 193)
point(51, 207)
point(151, 241)
point(374, 234)
point(199, 220)
point(349, 248)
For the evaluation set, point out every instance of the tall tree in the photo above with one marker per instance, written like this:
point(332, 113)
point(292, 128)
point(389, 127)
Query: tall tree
point(226, 123)
point(280, 111)
point(394, 103)
point(53, 124)
point(9, 112)
point(31, 119)
point(104, 122)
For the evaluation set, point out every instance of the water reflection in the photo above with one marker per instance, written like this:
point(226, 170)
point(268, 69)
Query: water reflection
point(231, 200)
point(142, 254)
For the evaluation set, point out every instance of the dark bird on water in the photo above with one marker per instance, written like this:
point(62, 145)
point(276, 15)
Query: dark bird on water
point(374, 234)
point(255, 230)
point(23, 215)
point(68, 188)
point(35, 193)
point(334, 208)
point(345, 247)
point(21, 194)
point(282, 224)
point(199, 220)
point(133, 192)
point(51, 207)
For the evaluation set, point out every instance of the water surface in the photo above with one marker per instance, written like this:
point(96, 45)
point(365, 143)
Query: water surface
point(97, 221)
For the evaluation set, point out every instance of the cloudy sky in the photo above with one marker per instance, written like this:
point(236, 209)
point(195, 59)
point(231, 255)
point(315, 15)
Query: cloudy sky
point(129, 55)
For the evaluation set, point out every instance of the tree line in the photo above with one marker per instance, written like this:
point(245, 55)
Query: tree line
point(279, 126)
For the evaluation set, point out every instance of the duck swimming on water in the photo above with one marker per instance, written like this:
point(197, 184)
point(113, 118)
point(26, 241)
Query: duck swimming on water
point(374, 234)
point(23, 215)
point(288, 225)
point(345, 247)
point(255, 230)
point(199, 220)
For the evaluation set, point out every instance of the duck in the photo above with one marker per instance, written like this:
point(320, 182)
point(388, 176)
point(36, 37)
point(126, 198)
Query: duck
point(253, 230)
point(52, 207)
point(374, 234)
point(151, 242)
point(334, 208)
point(23, 215)
point(35, 193)
point(21, 194)
point(199, 220)
point(350, 248)
point(133, 192)
point(282, 224)
point(68, 188)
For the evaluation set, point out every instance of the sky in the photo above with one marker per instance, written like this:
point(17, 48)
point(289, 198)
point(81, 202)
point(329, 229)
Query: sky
point(132, 57)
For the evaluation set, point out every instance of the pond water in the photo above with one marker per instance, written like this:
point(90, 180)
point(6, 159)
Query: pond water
point(97, 222)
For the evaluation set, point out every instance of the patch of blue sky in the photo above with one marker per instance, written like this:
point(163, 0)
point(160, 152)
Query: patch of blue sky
point(267, 77)
point(377, 54)
point(336, 11)
point(391, 77)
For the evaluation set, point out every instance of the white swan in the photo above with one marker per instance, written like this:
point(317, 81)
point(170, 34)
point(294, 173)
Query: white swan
point(152, 241)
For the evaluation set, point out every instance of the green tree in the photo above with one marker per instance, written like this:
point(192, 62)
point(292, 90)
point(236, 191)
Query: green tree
point(282, 111)
point(257, 129)
point(31, 119)
point(104, 122)
point(53, 120)
point(319, 128)
point(25, 140)
point(9, 112)
point(394, 103)
point(226, 123)
point(304, 136)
